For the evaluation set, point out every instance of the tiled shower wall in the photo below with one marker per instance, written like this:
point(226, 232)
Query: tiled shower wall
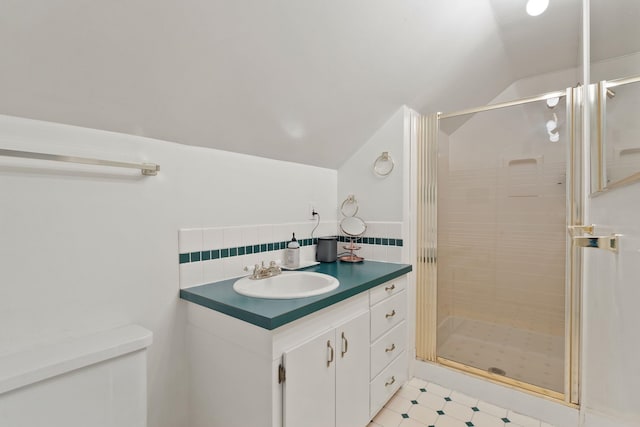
point(212, 254)
point(501, 243)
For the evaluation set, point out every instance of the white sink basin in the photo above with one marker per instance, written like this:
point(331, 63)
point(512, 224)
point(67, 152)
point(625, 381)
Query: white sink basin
point(288, 284)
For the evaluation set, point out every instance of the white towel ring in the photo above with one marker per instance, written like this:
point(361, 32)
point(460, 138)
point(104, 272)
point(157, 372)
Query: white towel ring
point(350, 206)
point(383, 164)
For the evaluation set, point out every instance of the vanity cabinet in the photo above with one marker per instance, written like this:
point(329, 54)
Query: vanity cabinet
point(327, 378)
point(334, 367)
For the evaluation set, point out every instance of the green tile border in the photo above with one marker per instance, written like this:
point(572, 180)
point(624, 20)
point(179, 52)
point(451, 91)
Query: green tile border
point(212, 254)
point(382, 241)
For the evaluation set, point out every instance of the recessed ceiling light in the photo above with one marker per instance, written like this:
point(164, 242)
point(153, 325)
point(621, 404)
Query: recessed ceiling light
point(536, 7)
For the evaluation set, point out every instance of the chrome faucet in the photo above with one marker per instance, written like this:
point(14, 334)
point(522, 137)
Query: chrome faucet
point(260, 271)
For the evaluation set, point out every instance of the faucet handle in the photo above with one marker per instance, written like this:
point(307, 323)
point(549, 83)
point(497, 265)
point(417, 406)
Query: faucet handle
point(274, 268)
point(252, 268)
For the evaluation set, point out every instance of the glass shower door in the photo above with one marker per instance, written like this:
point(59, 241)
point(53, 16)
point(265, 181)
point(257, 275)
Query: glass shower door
point(501, 242)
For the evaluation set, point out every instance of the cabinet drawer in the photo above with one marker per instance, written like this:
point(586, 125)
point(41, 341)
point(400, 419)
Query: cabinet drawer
point(387, 314)
point(387, 348)
point(390, 288)
point(388, 382)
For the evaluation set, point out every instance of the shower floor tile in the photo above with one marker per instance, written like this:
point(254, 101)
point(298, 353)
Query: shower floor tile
point(454, 410)
point(523, 355)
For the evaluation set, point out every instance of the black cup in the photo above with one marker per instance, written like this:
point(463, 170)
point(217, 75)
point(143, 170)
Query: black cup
point(327, 250)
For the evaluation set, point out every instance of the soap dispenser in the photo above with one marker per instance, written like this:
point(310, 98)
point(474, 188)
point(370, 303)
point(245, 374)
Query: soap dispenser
point(292, 253)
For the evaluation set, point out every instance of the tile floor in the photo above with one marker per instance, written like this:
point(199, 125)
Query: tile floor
point(524, 355)
point(422, 404)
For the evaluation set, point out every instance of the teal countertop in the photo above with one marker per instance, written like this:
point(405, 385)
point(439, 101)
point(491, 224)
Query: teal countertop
point(272, 313)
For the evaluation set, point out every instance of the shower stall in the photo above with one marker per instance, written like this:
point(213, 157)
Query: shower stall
point(497, 275)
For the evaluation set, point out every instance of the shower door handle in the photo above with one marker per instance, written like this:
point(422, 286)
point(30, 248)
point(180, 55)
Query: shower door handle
point(609, 243)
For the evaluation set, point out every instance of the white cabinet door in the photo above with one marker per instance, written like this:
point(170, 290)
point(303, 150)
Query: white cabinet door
point(309, 388)
point(352, 372)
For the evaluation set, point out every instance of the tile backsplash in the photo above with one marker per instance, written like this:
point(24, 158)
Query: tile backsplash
point(212, 254)
point(382, 241)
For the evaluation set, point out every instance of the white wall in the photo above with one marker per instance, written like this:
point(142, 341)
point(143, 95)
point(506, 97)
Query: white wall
point(610, 371)
point(616, 68)
point(85, 248)
point(611, 377)
point(379, 198)
point(383, 201)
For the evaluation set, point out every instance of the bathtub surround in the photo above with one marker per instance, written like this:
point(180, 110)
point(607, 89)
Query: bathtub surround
point(106, 239)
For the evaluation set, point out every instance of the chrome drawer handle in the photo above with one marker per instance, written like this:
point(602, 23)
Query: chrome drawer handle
point(390, 288)
point(388, 383)
point(393, 313)
point(388, 349)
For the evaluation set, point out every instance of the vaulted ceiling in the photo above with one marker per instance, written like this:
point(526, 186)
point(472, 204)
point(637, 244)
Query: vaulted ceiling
point(299, 80)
